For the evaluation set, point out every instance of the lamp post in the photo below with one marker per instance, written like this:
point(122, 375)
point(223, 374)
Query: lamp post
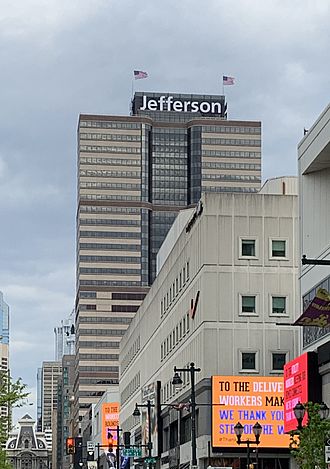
point(137, 413)
point(239, 430)
point(299, 411)
point(177, 381)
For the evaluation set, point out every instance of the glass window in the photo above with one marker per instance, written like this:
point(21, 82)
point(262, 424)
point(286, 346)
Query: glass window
point(278, 305)
point(248, 360)
point(278, 248)
point(248, 247)
point(278, 360)
point(248, 304)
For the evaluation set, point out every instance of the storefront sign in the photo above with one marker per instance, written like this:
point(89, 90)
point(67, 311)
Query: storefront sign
point(248, 399)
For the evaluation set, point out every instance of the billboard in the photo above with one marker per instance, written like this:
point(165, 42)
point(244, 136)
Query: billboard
point(248, 399)
point(301, 384)
point(110, 420)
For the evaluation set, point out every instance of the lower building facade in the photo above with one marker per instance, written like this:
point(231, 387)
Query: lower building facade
point(224, 299)
point(314, 191)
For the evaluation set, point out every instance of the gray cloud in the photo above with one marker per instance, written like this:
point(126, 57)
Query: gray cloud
point(61, 58)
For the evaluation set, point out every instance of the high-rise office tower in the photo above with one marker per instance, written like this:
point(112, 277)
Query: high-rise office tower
point(65, 338)
point(134, 174)
point(47, 379)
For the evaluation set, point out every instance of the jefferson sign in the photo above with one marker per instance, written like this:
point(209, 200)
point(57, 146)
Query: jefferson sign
point(203, 105)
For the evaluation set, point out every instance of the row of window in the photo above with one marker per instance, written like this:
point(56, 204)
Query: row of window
point(109, 161)
point(113, 332)
point(246, 166)
point(122, 259)
point(231, 130)
point(110, 125)
point(249, 247)
point(128, 296)
point(173, 171)
point(106, 271)
point(110, 197)
point(174, 289)
point(228, 189)
point(110, 247)
point(124, 308)
point(249, 361)
point(87, 294)
point(109, 283)
point(106, 209)
point(249, 305)
point(91, 381)
point(97, 368)
point(109, 221)
point(97, 344)
point(227, 153)
point(242, 142)
point(105, 320)
point(110, 185)
point(109, 149)
point(114, 137)
point(132, 352)
point(175, 336)
point(113, 174)
point(109, 234)
point(98, 356)
point(130, 389)
point(231, 177)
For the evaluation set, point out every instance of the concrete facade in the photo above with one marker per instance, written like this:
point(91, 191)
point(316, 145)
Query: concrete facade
point(209, 257)
point(314, 200)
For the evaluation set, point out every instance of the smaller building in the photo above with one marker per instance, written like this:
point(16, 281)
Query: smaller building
point(26, 448)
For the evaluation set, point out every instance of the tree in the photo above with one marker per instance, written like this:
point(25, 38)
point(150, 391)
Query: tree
point(307, 444)
point(12, 393)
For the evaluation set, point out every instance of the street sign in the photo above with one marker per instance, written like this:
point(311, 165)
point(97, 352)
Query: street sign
point(327, 454)
point(150, 460)
point(90, 445)
point(132, 452)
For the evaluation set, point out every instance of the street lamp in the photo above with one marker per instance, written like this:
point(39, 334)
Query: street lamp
point(177, 381)
point(239, 430)
point(137, 413)
point(324, 411)
point(300, 410)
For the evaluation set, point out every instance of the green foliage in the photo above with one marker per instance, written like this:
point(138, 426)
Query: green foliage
point(4, 464)
point(307, 444)
point(12, 394)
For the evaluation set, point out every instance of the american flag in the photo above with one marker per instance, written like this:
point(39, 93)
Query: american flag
point(138, 74)
point(228, 80)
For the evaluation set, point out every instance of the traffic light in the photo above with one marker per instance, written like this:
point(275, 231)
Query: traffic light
point(127, 439)
point(110, 439)
point(70, 446)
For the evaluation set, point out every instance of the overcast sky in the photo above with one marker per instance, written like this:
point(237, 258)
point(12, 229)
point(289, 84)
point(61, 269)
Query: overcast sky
point(60, 58)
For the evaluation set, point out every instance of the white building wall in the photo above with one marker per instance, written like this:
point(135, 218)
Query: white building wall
point(218, 333)
point(314, 203)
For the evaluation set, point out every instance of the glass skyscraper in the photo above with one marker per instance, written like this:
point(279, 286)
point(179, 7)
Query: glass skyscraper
point(134, 174)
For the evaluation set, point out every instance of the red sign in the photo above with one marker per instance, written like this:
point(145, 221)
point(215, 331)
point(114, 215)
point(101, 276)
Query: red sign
point(295, 389)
